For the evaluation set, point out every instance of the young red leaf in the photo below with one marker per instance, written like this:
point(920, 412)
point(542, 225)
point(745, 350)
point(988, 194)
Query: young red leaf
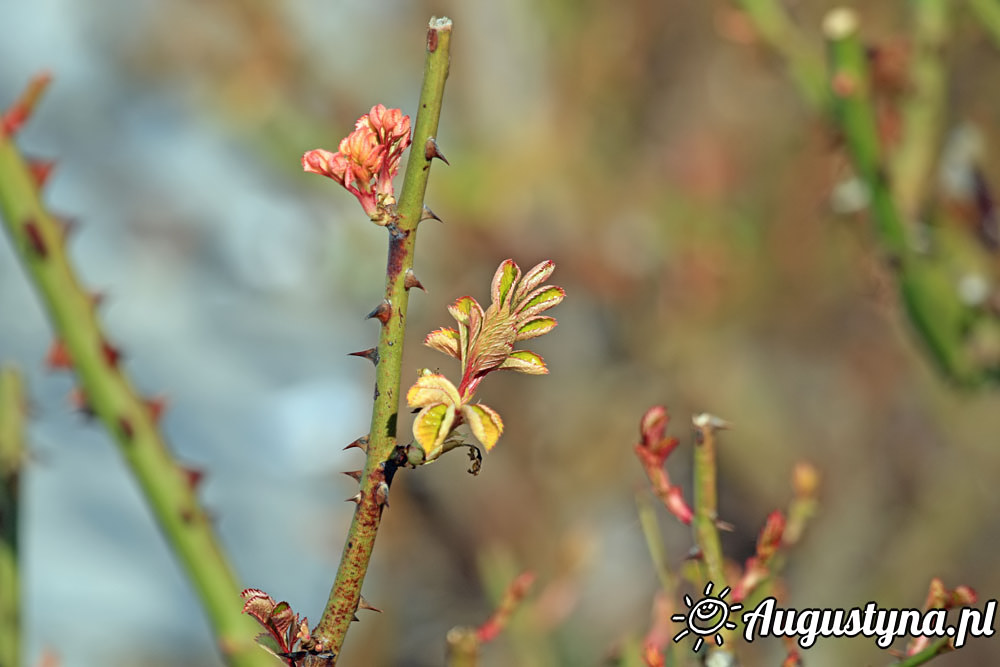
point(444, 340)
point(431, 388)
point(432, 426)
point(504, 279)
point(525, 361)
point(462, 307)
point(258, 604)
point(536, 326)
point(484, 422)
point(541, 299)
point(535, 276)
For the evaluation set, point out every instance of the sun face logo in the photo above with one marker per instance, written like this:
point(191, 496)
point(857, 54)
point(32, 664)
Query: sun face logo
point(706, 617)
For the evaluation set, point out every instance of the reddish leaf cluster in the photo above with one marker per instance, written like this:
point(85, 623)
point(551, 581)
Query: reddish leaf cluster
point(367, 160)
point(483, 342)
point(653, 450)
point(284, 628)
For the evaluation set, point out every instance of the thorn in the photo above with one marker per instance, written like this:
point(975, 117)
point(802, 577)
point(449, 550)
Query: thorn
point(382, 494)
point(156, 406)
point(80, 403)
point(356, 499)
point(40, 170)
point(723, 525)
point(382, 312)
point(354, 474)
point(192, 476)
point(96, 298)
point(411, 281)
point(58, 357)
point(361, 443)
point(432, 151)
point(371, 354)
point(428, 214)
point(18, 113)
point(66, 226)
point(363, 604)
point(125, 426)
point(34, 235)
point(355, 619)
point(111, 354)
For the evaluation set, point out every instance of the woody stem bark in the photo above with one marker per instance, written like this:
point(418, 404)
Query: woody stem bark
point(345, 595)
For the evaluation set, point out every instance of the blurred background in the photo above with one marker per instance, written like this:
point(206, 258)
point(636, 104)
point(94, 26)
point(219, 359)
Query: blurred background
point(654, 150)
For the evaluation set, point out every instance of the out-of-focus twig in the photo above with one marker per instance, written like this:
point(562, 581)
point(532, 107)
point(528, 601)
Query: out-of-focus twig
point(922, 107)
point(803, 59)
point(12, 416)
point(464, 643)
point(988, 13)
point(39, 240)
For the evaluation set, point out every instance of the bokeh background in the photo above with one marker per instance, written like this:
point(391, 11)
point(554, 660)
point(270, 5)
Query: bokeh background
point(652, 149)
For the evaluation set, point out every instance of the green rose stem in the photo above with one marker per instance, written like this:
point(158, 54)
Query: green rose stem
point(345, 597)
point(39, 240)
point(12, 412)
point(936, 648)
point(988, 13)
point(927, 289)
point(706, 509)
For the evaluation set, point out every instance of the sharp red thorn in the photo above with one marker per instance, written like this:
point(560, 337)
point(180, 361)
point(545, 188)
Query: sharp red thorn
point(58, 357)
point(428, 214)
point(382, 312)
point(371, 354)
point(432, 151)
point(363, 604)
point(410, 280)
point(361, 443)
point(125, 426)
point(80, 403)
point(192, 476)
point(356, 498)
point(112, 355)
point(354, 474)
point(156, 406)
point(18, 113)
point(96, 299)
point(40, 171)
point(36, 241)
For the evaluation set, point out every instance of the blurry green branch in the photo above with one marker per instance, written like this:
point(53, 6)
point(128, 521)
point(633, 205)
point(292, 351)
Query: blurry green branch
point(12, 415)
point(39, 239)
point(779, 32)
point(896, 171)
point(988, 13)
point(927, 286)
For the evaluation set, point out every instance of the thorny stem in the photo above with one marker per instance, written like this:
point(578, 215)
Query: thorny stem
point(923, 108)
point(929, 297)
point(345, 595)
point(706, 509)
point(988, 13)
point(12, 414)
point(38, 238)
